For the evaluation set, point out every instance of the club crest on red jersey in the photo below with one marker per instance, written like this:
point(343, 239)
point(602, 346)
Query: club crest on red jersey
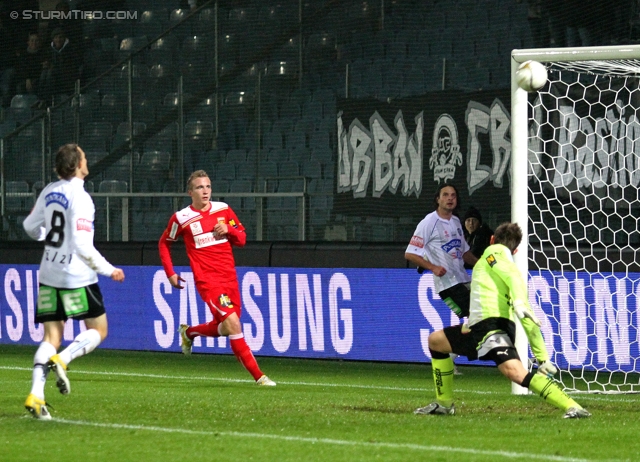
point(225, 301)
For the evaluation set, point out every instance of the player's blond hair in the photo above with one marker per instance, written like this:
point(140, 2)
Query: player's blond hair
point(194, 176)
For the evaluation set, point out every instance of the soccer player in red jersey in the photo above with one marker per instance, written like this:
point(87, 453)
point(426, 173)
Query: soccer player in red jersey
point(210, 230)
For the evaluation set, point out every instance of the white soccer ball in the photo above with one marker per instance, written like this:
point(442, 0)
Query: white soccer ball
point(531, 76)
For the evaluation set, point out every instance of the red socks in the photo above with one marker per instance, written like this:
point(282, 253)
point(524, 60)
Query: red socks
point(238, 345)
point(209, 329)
point(244, 355)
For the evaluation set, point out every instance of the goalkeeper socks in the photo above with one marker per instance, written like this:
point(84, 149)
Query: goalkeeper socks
point(443, 379)
point(209, 329)
point(83, 344)
point(243, 353)
point(40, 369)
point(549, 391)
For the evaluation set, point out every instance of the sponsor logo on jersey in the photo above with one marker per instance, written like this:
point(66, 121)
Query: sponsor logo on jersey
point(196, 227)
point(233, 223)
point(207, 239)
point(84, 225)
point(417, 241)
point(453, 244)
point(491, 260)
point(58, 198)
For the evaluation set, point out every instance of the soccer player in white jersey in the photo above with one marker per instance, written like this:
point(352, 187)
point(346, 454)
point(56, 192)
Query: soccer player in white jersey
point(438, 244)
point(63, 219)
point(498, 294)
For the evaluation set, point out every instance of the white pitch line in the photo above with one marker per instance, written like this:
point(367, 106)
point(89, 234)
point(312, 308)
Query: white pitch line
point(229, 380)
point(328, 441)
point(595, 397)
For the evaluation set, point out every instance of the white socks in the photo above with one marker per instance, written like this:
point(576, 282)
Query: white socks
point(83, 344)
point(40, 370)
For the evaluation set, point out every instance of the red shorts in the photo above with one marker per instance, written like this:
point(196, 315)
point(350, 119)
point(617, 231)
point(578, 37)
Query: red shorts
point(222, 299)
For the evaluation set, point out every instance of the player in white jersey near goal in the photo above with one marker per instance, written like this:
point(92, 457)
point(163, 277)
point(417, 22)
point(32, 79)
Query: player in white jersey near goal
point(438, 245)
point(63, 219)
point(498, 295)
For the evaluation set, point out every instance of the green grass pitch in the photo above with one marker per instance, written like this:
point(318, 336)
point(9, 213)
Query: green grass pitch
point(139, 406)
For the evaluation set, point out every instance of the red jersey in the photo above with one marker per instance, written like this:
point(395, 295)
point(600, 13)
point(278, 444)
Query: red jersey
point(210, 254)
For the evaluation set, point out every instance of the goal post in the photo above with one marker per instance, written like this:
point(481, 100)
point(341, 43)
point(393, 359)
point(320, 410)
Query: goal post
point(575, 179)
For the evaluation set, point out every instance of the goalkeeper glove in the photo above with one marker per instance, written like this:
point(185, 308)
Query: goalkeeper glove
point(523, 311)
point(547, 368)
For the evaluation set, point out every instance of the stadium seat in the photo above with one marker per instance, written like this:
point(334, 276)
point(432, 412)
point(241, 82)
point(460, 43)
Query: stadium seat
point(312, 169)
point(151, 23)
point(277, 155)
point(296, 140)
point(289, 168)
point(205, 110)
point(154, 168)
point(23, 101)
point(93, 157)
point(242, 186)
point(20, 109)
point(162, 80)
point(131, 45)
point(164, 140)
point(7, 127)
point(163, 50)
point(122, 135)
point(234, 202)
point(111, 110)
point(113, 186)
point(199, 129)
point(120, 170)
point(272, 140)
point(238, 156)
point(205, 22)
point(14, 203)
point(225, 171)
point(104, 129)
point(178, 16)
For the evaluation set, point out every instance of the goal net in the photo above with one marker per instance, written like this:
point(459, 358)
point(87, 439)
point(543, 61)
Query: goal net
point(576, 179)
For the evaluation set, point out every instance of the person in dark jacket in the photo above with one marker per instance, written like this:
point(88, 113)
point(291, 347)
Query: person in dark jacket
point(30, 65)
point(477, 233)
point(62, 68)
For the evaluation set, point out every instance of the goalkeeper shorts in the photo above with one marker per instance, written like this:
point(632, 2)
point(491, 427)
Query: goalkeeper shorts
point(490, 339)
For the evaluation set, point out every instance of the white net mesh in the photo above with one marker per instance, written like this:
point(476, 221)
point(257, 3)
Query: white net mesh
point(584, 174)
